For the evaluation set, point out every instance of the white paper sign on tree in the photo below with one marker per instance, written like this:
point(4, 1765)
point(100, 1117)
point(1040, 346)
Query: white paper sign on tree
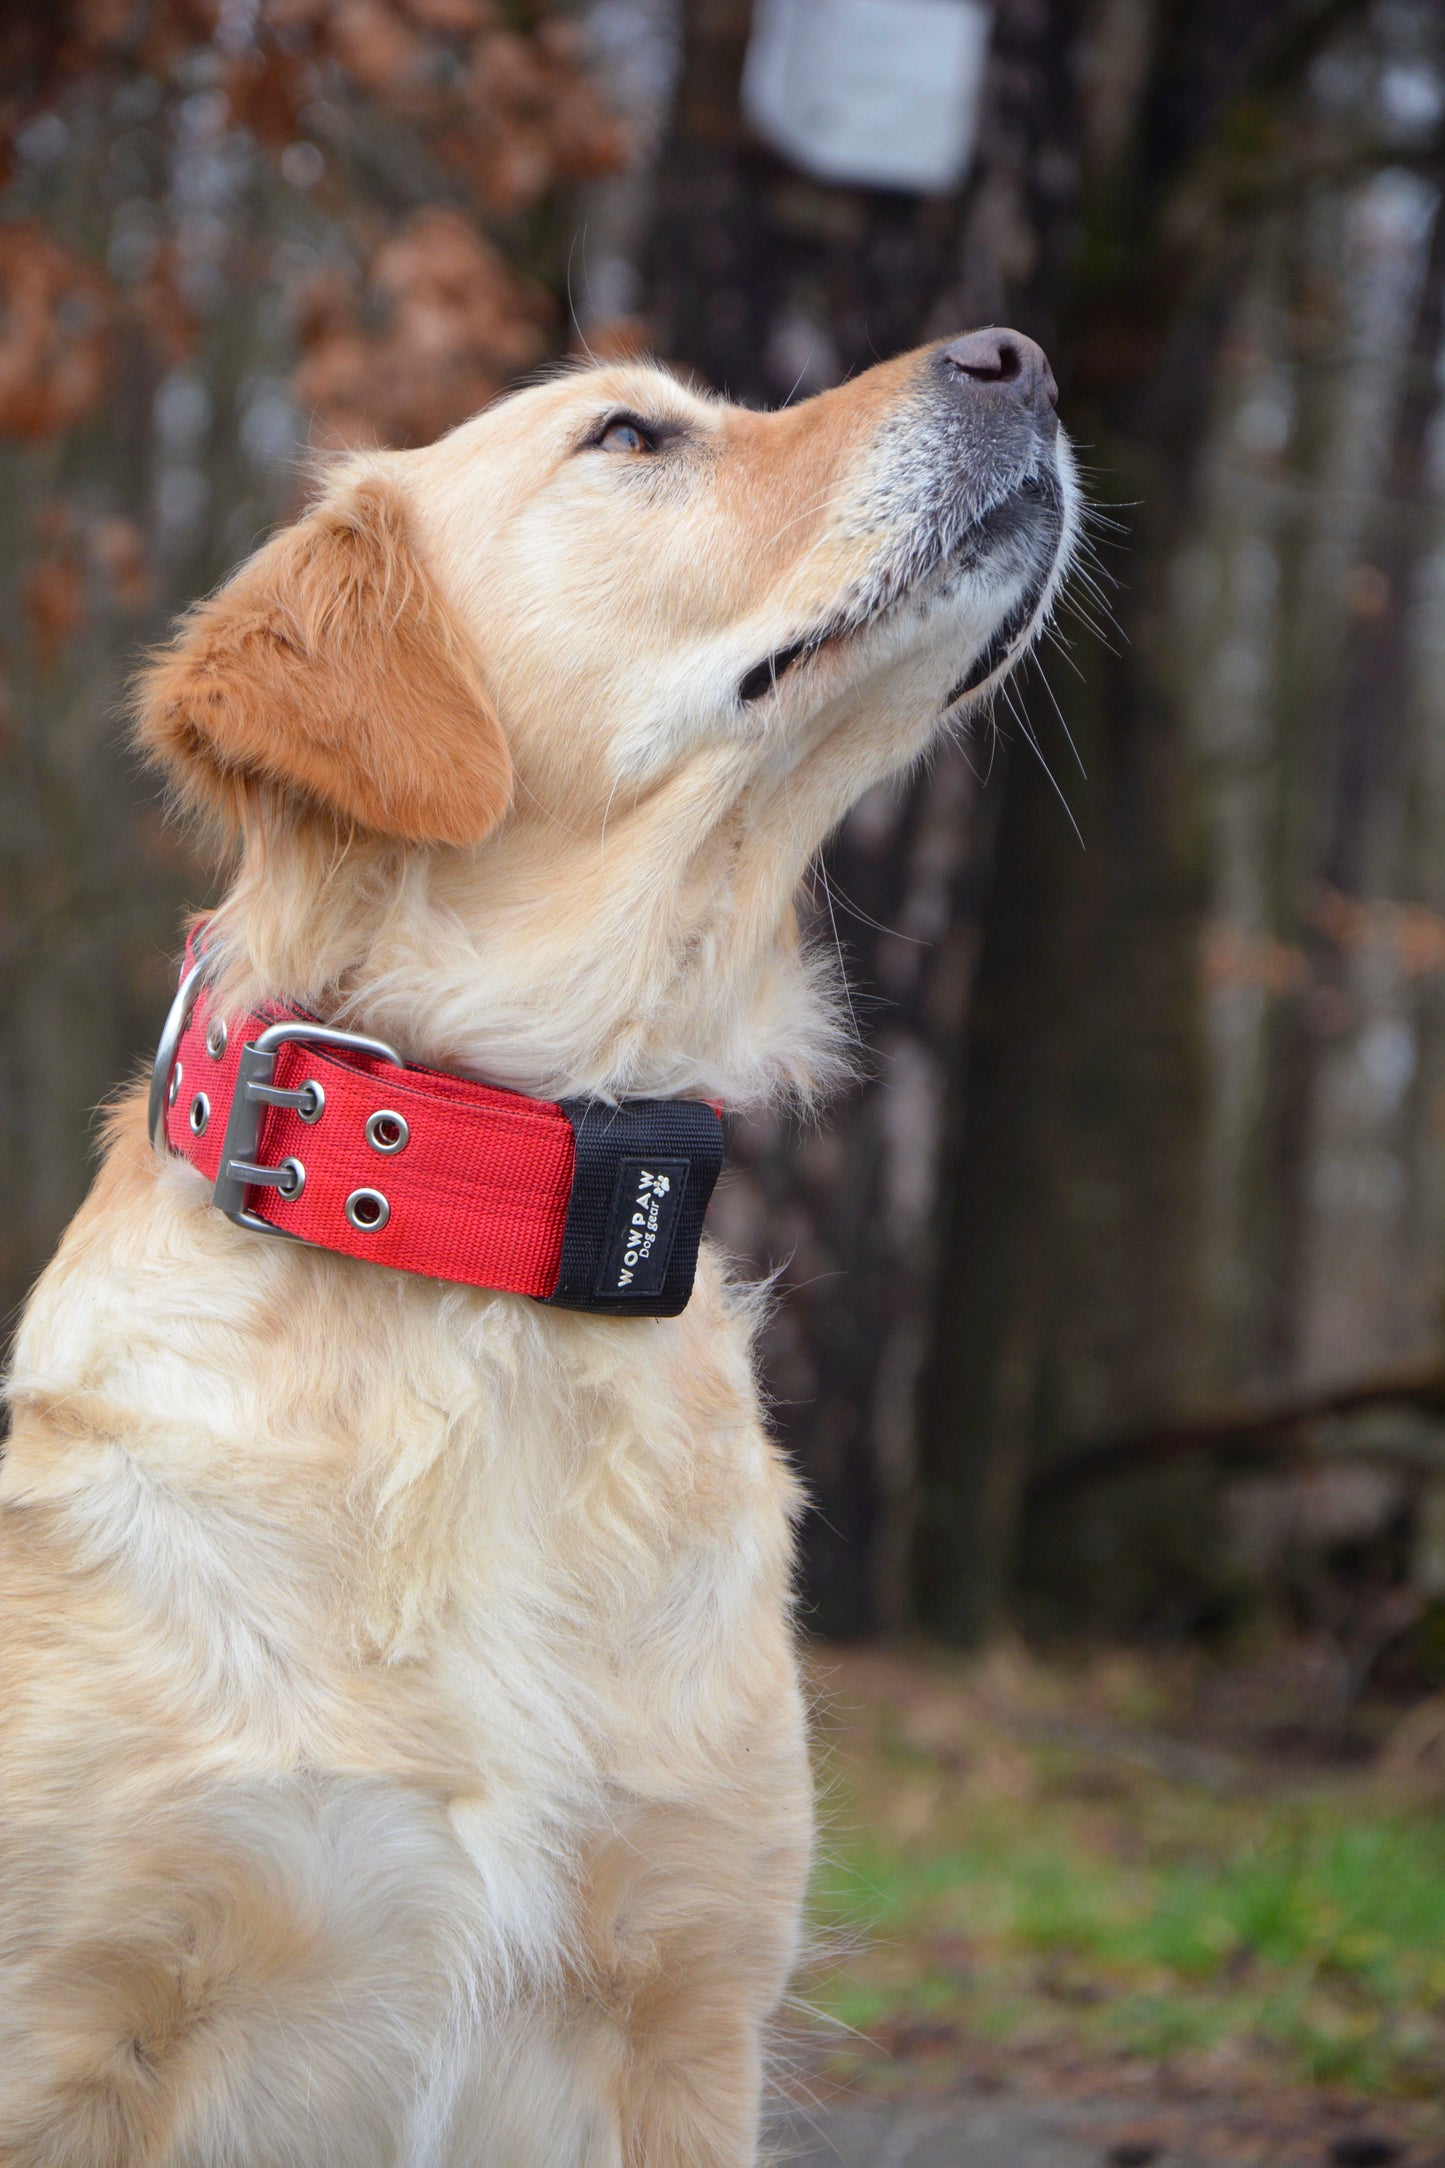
point(872, 93)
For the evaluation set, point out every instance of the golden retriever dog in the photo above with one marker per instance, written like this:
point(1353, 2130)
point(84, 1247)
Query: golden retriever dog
point(402, 1752)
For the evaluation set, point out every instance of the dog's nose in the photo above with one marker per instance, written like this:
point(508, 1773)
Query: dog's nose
point(1005, 363)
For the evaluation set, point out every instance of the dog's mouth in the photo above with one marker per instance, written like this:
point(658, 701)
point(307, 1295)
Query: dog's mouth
point(764, 676)
point(1029, 520)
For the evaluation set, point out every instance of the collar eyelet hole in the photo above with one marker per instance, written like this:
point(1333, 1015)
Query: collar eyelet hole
point(387, 1131)
point(367, 1210)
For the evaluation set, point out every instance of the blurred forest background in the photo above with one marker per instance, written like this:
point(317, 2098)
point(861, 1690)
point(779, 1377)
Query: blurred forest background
point(1115, 1291)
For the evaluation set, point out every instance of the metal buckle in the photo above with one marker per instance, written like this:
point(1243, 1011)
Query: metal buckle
point(254, 1092)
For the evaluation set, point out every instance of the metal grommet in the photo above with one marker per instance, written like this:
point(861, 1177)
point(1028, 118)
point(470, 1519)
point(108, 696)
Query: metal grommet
point(386, 1131)
point(200, 1113)
point(216, 1037)
point(292, 1179)
point(315, 1103)
point(173, 1089)
point(367, 1210)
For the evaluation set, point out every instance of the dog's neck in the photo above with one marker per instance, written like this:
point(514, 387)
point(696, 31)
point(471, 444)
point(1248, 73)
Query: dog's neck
point(552, 965)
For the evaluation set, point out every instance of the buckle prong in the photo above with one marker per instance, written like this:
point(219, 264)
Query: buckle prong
point(307, 1101)
point(289, 1178)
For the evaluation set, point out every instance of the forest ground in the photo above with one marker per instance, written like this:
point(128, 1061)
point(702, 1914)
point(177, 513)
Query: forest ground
point(1123, 1910)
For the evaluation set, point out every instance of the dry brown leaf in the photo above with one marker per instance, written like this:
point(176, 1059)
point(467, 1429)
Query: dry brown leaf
point(457, 323)
point(453, 18)
point(53, 601)
point(118, 548)
point(381, 52)
point(108, 25)
point(157, 304)
point(266, 88)
point(55, 333)
point(534, 120)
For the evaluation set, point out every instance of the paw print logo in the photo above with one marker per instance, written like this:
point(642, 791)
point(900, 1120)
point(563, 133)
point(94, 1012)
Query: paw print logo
point(657, 1184)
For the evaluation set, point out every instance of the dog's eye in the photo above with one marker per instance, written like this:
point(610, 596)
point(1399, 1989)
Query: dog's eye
point(626, 435)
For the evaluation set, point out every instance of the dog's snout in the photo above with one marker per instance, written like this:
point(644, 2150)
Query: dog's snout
point(1004, 363)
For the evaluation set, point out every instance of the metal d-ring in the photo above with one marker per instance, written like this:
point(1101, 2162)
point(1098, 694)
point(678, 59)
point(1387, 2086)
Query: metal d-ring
point(161, 1093)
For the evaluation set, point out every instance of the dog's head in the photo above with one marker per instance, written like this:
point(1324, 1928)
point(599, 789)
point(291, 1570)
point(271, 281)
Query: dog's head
point(566, 701)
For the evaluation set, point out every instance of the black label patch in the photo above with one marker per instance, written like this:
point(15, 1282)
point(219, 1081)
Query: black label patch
point(640, 1230)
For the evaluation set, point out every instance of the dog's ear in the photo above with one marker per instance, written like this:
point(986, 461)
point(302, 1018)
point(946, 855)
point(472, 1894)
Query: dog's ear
point(331, 667)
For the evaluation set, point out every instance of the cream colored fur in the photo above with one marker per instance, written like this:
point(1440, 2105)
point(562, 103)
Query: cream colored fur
point(402, 1756)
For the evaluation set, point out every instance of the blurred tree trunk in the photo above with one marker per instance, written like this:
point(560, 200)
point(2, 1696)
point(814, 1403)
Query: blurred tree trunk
point(1193, 1163)
point(771, 285)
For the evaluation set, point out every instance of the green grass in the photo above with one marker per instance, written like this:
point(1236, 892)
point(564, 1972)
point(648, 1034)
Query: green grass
point(1088, 1905)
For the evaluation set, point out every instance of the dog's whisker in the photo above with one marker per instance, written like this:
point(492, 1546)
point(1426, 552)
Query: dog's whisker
point(1042, 677)
point(1028, 736)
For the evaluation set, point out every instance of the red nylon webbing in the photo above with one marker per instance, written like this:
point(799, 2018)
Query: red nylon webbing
point(478, 1194)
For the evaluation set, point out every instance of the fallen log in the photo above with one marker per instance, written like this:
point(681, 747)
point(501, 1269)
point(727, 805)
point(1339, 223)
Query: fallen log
point(1249, 1435)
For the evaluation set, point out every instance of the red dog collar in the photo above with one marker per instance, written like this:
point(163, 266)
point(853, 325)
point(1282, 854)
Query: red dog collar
point(330, 1138)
